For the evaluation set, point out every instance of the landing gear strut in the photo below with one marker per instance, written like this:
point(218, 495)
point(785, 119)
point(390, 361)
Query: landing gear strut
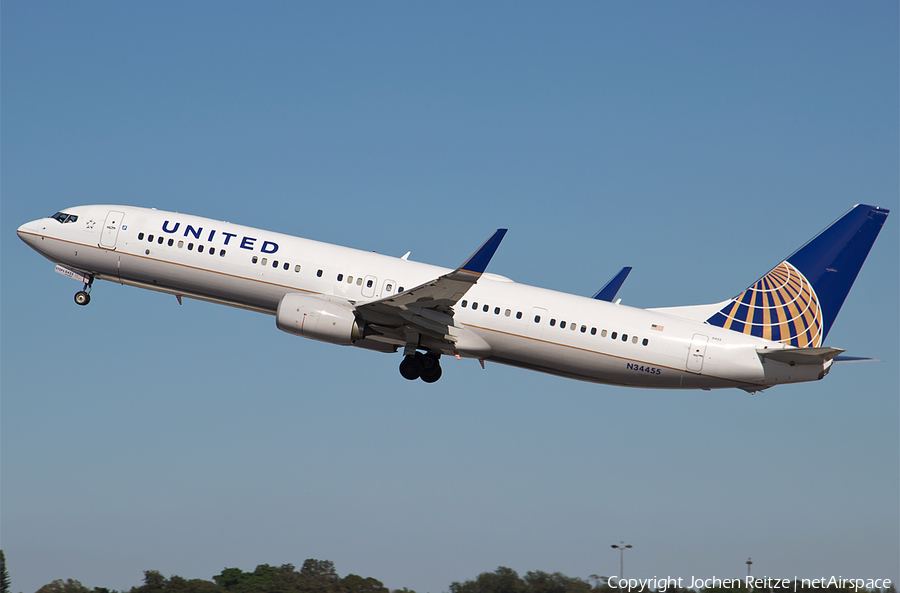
point(83, 297)
point(421, 366)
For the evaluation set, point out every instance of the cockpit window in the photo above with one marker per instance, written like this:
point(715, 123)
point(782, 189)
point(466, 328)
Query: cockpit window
point(64, 218)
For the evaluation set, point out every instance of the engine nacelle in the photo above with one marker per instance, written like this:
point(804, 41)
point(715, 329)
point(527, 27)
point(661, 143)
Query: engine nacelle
point(315, 318)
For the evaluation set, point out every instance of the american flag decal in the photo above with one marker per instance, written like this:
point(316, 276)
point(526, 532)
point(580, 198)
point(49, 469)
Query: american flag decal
point(782, 306)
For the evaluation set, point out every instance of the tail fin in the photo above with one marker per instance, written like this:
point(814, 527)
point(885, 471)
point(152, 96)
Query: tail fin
point(797, 302)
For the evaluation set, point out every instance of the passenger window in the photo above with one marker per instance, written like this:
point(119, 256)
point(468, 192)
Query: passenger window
point(614, 335)
point(150, 238)
point(140, 236)
point(212, 250)
point(190, 246)
point(507, 312)
point(171, 242)
point(221, 253)
point(297, 268)
point(496, 310)
point(603, 334)
point(474, 306)
point(274, 263)
point(368, 284)
point(286, 266)
point(645, 342)
point(573, 326)
point(400, 289)
point(518, 315)
point(389, 287)
point(464, 303)
point(624, 337)
point(359, 281)
point(160, 240)
point(349, 279)
point(255, 259)
point(486, 308)
point(583, 328)
point(562, 324)
point(264, 261)
point(537, 318)
point(593, 331)
point(552, 322)
point(634, 340)
point(200, 248)
point(319, 273)
point(340, 277)
point(180, 244)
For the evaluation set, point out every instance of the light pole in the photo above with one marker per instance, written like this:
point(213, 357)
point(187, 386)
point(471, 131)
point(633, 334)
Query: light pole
point(621, 547)
point(749, 564)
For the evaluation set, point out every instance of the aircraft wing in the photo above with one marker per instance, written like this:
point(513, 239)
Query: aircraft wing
point(426, 308)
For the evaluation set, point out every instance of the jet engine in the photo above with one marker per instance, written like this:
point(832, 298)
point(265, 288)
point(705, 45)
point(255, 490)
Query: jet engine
point(315, 318)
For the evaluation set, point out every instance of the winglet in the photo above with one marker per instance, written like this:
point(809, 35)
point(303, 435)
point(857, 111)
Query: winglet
point(611, 288)
point(478, 263)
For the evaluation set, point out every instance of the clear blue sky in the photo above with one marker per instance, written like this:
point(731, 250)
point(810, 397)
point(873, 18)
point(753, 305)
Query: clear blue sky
point(699, 142)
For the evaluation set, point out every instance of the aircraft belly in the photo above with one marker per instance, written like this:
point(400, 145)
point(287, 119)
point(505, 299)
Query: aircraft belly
point(577, 362)
point(198, 283)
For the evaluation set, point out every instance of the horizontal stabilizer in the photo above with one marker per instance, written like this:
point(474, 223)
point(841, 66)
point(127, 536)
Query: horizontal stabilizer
point(611, 288)
point(800, 355)
point(838, 359)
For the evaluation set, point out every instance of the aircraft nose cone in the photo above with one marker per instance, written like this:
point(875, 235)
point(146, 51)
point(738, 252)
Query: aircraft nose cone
point(27, 231)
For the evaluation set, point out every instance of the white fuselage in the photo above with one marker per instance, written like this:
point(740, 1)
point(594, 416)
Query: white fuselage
point(523, 326)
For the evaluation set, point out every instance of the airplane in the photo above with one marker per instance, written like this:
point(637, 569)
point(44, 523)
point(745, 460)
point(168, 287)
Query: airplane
point(772, 333)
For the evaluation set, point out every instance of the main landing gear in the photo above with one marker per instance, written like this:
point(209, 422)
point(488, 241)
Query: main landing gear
point(421, 366)
point(83, 297)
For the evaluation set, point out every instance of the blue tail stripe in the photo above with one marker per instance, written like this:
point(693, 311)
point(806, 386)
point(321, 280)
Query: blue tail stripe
point(832, 259)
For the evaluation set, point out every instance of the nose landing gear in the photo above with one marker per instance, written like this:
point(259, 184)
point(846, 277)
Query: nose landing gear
point(83, 297)
point(421, 366)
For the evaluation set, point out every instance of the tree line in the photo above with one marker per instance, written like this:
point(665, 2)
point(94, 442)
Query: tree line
point(320, 576)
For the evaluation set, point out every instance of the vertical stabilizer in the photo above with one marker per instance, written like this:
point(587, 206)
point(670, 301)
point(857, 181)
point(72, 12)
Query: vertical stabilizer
point(797, 302)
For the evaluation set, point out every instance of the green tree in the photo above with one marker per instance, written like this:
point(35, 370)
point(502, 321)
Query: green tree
point(61, 586)
point(502, 580)
point(542, 582)
point(4, 574)
point(318, 576)
point(229, 578)
point(356, 584)
point(153, 581)
point(265, 579)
